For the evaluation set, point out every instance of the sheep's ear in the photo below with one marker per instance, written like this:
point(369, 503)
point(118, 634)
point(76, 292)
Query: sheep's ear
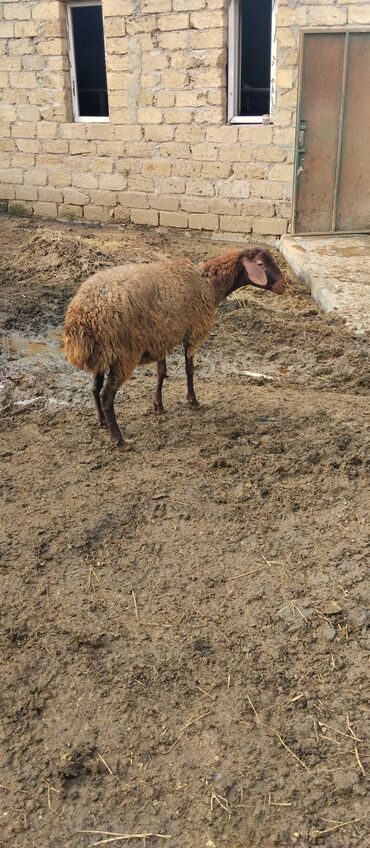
point(255, 273)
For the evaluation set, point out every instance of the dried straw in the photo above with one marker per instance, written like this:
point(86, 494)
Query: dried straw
point(336, 826)
point(122, 837)
point(277, 734)
point(188, 724)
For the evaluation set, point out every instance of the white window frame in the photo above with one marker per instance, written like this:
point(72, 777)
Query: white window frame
point(82, 119)
point(234, 65)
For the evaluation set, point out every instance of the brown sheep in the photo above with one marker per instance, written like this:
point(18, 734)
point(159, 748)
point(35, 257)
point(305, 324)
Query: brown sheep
point(133, 314)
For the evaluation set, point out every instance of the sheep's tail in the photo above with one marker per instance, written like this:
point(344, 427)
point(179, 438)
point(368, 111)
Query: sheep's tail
point(82, 348)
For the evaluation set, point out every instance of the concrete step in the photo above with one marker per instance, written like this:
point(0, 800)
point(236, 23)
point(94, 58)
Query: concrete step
point(337, 271)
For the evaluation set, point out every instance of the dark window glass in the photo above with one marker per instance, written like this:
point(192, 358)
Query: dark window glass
point(91, 74)
point(255, 56)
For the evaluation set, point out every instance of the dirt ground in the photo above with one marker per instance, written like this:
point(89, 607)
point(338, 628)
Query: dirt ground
point(184, 629)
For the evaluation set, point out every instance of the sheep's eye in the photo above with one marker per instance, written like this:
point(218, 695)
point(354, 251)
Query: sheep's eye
point(259, 262)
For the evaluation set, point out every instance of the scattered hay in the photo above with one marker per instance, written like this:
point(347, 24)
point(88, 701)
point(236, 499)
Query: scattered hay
point(70, 256)
point(60, 257)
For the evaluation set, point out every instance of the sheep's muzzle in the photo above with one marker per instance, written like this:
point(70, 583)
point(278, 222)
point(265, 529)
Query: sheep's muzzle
point(278, 287)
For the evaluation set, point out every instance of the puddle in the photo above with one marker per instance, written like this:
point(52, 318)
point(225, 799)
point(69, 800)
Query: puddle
point(51, 402)
point(13, 343)
point(28, 401)
point(352, 251)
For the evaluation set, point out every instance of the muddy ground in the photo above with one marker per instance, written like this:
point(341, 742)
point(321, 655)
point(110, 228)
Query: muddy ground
point(184, 629)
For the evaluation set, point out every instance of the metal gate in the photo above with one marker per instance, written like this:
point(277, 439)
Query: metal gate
point(332, 163)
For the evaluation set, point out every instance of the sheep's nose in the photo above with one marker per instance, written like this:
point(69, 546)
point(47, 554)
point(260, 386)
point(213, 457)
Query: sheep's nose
point(280, 286)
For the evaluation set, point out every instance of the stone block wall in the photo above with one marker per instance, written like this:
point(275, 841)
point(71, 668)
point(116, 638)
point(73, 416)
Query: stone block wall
point(167, 156)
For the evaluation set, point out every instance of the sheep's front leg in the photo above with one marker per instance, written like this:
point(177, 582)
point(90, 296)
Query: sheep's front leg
point(114, 381)
point(189, 367)
point(97, 387)
point(161, 374)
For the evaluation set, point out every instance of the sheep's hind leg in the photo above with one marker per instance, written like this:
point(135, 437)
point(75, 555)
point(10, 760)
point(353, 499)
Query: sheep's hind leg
point(189, 367)
point(161, 374)
point(97, 387)
point(114, 381)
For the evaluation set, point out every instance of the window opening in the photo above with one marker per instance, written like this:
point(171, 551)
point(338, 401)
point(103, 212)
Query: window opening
point(87, 62)
point(251, 52)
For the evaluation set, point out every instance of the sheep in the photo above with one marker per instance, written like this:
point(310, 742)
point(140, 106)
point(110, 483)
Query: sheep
point(133, 314)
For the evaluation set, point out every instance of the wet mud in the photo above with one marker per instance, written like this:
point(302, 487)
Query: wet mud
point(184, 626)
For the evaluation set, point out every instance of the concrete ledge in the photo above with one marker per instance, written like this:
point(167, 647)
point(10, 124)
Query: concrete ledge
point(336, 269)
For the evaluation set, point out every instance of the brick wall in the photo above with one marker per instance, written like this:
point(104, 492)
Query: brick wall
point(166, 157)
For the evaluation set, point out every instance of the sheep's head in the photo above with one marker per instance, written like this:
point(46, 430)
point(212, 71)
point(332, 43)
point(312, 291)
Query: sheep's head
point(252, 267)
point(260, 270)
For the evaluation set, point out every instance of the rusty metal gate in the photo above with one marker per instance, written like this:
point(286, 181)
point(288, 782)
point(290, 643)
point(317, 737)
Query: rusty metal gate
point(332, 163)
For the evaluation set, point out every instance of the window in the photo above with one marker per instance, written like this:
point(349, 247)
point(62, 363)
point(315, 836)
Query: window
point(251, 60)
point(87, 61)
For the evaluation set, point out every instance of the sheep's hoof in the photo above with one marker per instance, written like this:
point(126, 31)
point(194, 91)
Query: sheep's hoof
point(123, 445)
point(193, 403)
point(159, 409)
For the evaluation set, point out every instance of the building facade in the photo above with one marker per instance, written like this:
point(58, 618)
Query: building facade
point(180, 113)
